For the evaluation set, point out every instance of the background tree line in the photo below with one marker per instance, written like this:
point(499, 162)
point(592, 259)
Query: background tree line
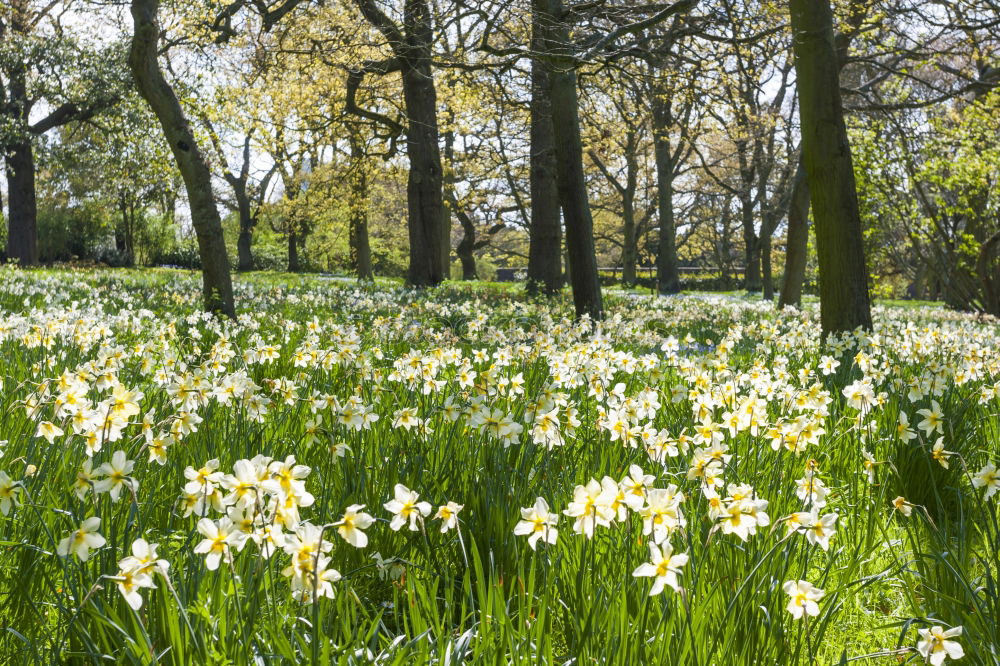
point(768, 145)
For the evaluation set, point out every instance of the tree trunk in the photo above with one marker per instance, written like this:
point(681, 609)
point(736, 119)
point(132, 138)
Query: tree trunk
point(125, 232)
point(216, 280)
point(448, 195)
point(797, 245)
point(630, 249)
point(545, 242)
point(767, 278)
point(293, 251)
point(361, 253)
point(424, 185)
point(751, 247)
point(572, 184)
point(22, 208)
point(244, 242)
point(19, 158)
point(465, 250)
point(667, 274)
point(826, 153)
point(989, 276)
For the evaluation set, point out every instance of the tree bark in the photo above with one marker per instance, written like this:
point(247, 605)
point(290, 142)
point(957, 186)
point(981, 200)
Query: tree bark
point(545, 242)
point(797, 245)
point(751, 247)
point(361, 254)
point(22, 208)
point(143, 60)
point(293, 251)
point(667, 274)
point(572, 184)
point(466, 247)
point(19, 158)
point(448, 195)
point(826, 153)
point(630, 243)
point(244, 242)
point(766, 270)
point(424, 185)
point(989, 276)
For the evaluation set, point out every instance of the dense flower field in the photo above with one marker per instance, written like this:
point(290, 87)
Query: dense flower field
point(371, 475)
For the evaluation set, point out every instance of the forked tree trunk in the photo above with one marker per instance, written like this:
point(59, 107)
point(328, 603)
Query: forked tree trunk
point(217, 283)
point(797, 245)
point(545, 248)
point(826, 153)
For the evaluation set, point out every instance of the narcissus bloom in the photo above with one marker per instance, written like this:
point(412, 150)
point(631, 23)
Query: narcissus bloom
point(539, 523)
point(663, 566)
point(116, 476)
point(129, 582)
point(82, 540)
point(8, 493)
point(935, 645)
point(448, 514)
point(591, 506)
point(218, 538)
point(349, 527)
point(933, 419)
point(406, 508)
point(988, 478)
point(939, 454)
point(804, 596)
point(49, 431)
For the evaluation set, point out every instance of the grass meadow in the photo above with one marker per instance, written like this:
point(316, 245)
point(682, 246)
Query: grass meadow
point(367, 475)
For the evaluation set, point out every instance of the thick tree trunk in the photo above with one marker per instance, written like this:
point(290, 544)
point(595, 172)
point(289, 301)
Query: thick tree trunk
point(216, 280)
point(667, 273)
point(424, 186)
point(572, 184)
point(545, 248)
point(797, 245)
point(19, 158)
point(22, 208)
point(826, 153)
